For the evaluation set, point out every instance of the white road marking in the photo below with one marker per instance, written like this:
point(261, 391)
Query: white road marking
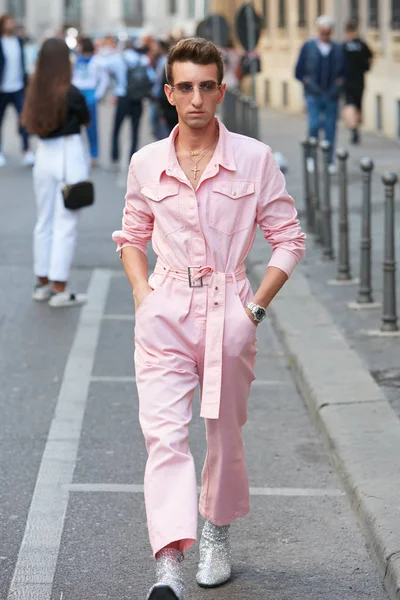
point(38, 554)
point(117, 488)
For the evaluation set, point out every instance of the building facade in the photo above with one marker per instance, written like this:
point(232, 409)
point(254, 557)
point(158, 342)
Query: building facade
point(49, 16)
point(288, 23)
point(176, 16)
point(157, 16)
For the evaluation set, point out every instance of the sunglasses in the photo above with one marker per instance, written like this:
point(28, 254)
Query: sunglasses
point(187, 88)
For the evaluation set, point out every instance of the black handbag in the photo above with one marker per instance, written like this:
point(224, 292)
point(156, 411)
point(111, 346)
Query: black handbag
point(76, 195)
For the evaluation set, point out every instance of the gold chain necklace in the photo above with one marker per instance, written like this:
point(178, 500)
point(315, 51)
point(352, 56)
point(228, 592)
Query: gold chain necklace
point(196, 162)
point(203, 153)
point(196, 152)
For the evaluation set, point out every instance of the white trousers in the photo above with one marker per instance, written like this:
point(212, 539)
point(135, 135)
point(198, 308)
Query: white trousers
point(57, 160)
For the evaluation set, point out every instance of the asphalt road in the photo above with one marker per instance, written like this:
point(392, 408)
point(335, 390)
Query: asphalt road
point(72, 519)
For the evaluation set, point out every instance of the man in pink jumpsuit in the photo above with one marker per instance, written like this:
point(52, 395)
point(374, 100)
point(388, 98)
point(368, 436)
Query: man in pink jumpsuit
point(199, 196)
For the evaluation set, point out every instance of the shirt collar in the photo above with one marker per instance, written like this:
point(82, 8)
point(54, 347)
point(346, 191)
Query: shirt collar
point(224, 155)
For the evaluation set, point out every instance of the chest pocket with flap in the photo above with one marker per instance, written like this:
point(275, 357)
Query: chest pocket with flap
point(232, 207)
point(163, 199)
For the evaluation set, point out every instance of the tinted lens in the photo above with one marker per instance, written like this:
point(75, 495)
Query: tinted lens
point(209, 87)
point(184, 88)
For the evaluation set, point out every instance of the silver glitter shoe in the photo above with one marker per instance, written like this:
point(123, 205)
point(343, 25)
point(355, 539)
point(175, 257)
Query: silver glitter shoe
point(215, 556)
point(170, 584)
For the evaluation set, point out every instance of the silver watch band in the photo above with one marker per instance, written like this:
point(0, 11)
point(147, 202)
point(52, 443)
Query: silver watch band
point(259, 312)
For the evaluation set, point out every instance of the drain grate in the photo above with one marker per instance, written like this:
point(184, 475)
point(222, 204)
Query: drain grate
point(389, 377)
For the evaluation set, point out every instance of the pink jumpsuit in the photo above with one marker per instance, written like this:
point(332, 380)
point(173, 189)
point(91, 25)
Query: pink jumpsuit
point(193, 328)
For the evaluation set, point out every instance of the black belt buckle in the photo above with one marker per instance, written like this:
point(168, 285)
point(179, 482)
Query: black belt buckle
point(191, 285)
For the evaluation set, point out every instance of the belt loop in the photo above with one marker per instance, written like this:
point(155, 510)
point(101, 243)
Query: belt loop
point(165, 275)
point(236, 284)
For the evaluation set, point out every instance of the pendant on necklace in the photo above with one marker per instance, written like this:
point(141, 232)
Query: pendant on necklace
point(195, 171)
point(195, 152)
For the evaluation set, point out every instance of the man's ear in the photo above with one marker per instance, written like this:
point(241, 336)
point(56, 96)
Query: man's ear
point(222, 92)
point(170, 94)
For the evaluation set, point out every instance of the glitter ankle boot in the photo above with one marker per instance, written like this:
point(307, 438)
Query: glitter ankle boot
point(170, 584)
point(215, 559)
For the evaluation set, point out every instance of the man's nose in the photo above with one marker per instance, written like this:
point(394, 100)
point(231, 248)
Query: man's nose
point(197, 99)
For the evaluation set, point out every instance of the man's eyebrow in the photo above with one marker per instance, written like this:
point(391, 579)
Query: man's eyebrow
point(191, 82)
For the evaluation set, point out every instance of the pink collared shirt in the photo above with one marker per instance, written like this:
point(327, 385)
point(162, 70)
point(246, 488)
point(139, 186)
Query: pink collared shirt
point(241, 187)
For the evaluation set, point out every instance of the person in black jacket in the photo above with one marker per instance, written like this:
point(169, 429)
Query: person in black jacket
point(12, 80)
point(358, 58)
point(55, 110)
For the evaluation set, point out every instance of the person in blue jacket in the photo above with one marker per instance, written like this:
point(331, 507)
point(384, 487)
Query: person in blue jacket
point(92, 80)
point(321, 68)
point(13, 79)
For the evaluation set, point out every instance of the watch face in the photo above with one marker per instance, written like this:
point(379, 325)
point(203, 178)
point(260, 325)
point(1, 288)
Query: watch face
point(259, 314)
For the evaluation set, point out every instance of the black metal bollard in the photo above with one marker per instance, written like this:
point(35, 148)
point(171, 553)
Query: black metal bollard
point(227, 109)
point(326, 204)
point(314, 189)
point(244, 111)
point(310, 214)
point(343, 272)
point(365, 289)
point(389, 316)
point(238, 113)
point(255, 133)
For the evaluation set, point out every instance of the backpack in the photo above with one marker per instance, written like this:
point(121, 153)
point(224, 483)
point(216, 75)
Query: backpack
point(139, 84)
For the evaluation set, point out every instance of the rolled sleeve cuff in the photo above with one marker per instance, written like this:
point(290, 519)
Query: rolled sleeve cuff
point(285, 260)
point(122, 242)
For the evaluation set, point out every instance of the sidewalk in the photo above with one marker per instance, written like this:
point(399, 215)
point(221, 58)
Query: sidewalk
point(332, 357)
point(381, 355)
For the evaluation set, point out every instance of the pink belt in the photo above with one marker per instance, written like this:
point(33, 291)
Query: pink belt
point(197, 277)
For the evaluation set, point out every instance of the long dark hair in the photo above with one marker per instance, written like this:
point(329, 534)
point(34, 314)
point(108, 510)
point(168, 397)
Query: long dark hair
point(45, 105)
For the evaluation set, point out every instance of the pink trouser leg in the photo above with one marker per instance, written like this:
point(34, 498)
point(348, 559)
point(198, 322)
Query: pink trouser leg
point(166, 384)
point(225, 488)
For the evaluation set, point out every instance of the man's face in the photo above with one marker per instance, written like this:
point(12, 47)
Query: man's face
point(325, 34)
point(9, 26)
point(350, 35)
point(196, 109)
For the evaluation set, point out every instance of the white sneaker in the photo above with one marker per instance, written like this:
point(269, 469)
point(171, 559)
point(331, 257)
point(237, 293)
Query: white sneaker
point(3, 161)
point(66, 298)
point(332, 169)
point(310, 165)
point(42, 293)
point(29, 159)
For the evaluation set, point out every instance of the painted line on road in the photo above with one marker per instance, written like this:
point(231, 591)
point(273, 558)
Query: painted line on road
point(38, 554)
point(117, 488)
point(131, 379)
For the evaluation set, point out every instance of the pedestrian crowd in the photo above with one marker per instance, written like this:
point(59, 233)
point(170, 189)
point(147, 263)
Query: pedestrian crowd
point(330, 71)
point(131, 72)
point(55, 92)
point(55, 95)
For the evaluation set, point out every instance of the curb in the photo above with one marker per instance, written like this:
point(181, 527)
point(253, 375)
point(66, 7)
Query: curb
point(359, 428)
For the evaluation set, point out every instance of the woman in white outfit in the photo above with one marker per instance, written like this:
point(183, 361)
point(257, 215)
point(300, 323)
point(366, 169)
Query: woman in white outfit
point(55, 111)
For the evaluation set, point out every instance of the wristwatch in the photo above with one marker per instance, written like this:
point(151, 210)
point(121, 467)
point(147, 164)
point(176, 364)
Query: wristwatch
point(259, 312)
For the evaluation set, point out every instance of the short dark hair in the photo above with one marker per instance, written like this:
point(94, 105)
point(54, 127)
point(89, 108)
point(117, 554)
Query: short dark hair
point(198, 51)
point(3, 19)
point(351, 27)
point(86, 45)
